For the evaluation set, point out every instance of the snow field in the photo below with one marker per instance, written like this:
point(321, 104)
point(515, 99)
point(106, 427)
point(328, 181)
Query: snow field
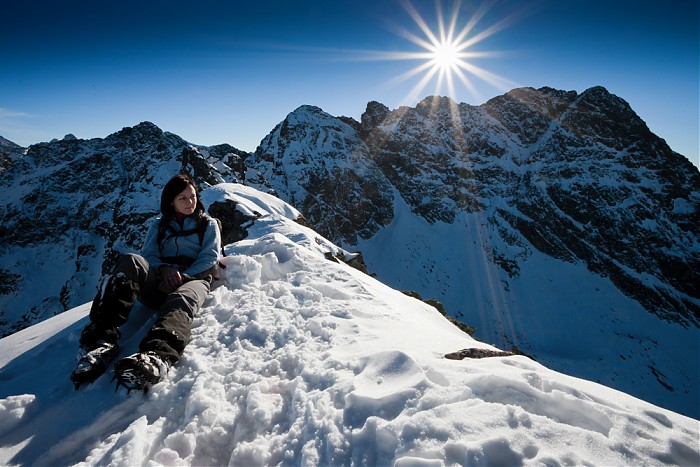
point(298, 360)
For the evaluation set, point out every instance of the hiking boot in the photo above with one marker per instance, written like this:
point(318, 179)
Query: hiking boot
point(92, 363)
point(140, 371)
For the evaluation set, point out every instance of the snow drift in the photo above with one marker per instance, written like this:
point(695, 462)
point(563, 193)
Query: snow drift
point(298, 360)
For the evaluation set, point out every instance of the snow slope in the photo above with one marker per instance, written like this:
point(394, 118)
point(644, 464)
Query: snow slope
point(299, 360)
point(573, 320)
point(554, 222)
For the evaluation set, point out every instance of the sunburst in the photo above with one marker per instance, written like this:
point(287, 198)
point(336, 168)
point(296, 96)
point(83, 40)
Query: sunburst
point(448, 54)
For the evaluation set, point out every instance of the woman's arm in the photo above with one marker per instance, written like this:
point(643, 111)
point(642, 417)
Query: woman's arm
point(151, 249)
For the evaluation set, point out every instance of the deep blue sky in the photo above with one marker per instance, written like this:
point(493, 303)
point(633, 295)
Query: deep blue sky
point(229, 71)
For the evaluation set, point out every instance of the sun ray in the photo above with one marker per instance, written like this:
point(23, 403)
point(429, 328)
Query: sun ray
point(420, 22)
point(472, 22)
point(491, 78)
point(414, 94)
point(467, 83)
point(410, 73)
point(419, 41)
point(441, 25)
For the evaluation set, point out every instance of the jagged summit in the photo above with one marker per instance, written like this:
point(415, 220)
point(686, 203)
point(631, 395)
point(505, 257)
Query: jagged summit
point(374, 114)
point(318, 167)
point(142, 133)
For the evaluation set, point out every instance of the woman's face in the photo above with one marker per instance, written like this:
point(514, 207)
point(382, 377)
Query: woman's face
point(186, 202)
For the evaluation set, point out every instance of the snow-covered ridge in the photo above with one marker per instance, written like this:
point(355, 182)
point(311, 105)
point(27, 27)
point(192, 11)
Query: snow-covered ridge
point(299, 360)
point(548, 220)
point(70, 203)
point(551, 221)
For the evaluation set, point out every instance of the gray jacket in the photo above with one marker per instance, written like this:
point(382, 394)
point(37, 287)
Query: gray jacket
point(183, 252)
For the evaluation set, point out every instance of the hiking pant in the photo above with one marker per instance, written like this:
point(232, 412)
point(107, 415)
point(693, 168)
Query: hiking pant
point(133, 279)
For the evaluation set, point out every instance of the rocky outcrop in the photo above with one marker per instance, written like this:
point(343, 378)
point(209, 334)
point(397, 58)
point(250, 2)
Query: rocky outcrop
point(319, 164)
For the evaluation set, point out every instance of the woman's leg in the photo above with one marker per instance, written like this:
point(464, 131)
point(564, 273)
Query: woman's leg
point(113, 303)
point(171, 333)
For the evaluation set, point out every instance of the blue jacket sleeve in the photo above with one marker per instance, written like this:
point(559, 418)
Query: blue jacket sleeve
point(150, 250)
point(209, 255)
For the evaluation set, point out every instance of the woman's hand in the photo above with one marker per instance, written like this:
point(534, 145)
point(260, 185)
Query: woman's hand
point(170, 279)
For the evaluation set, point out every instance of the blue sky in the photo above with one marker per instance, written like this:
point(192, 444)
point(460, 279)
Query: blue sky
point(229, 71)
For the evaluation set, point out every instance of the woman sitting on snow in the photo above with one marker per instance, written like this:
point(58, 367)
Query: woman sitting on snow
point(173, 275)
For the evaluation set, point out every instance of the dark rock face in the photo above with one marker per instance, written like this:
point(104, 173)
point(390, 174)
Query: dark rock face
point(318, 164)
point(528, 113)
point(430, 154)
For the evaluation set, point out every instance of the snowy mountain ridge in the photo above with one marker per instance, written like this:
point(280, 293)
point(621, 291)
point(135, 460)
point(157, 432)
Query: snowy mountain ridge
point(576, 224)
point(578, 177)
point(551, 221)
point(296, 359)
point(73, 204)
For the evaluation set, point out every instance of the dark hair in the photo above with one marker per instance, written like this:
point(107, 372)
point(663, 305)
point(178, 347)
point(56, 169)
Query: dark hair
point(174, 187)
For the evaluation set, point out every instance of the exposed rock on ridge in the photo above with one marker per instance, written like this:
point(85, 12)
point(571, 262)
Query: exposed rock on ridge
point(319, 165)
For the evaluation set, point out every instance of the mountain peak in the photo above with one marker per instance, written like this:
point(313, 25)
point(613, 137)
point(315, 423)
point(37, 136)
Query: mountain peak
point(144, 131)
point(147, 126)
point(373, 116)
point(307, 111)
point(608, 119)
point(8, 145)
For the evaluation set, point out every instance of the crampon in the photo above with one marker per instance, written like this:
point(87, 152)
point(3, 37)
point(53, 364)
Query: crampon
point(139, 371)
